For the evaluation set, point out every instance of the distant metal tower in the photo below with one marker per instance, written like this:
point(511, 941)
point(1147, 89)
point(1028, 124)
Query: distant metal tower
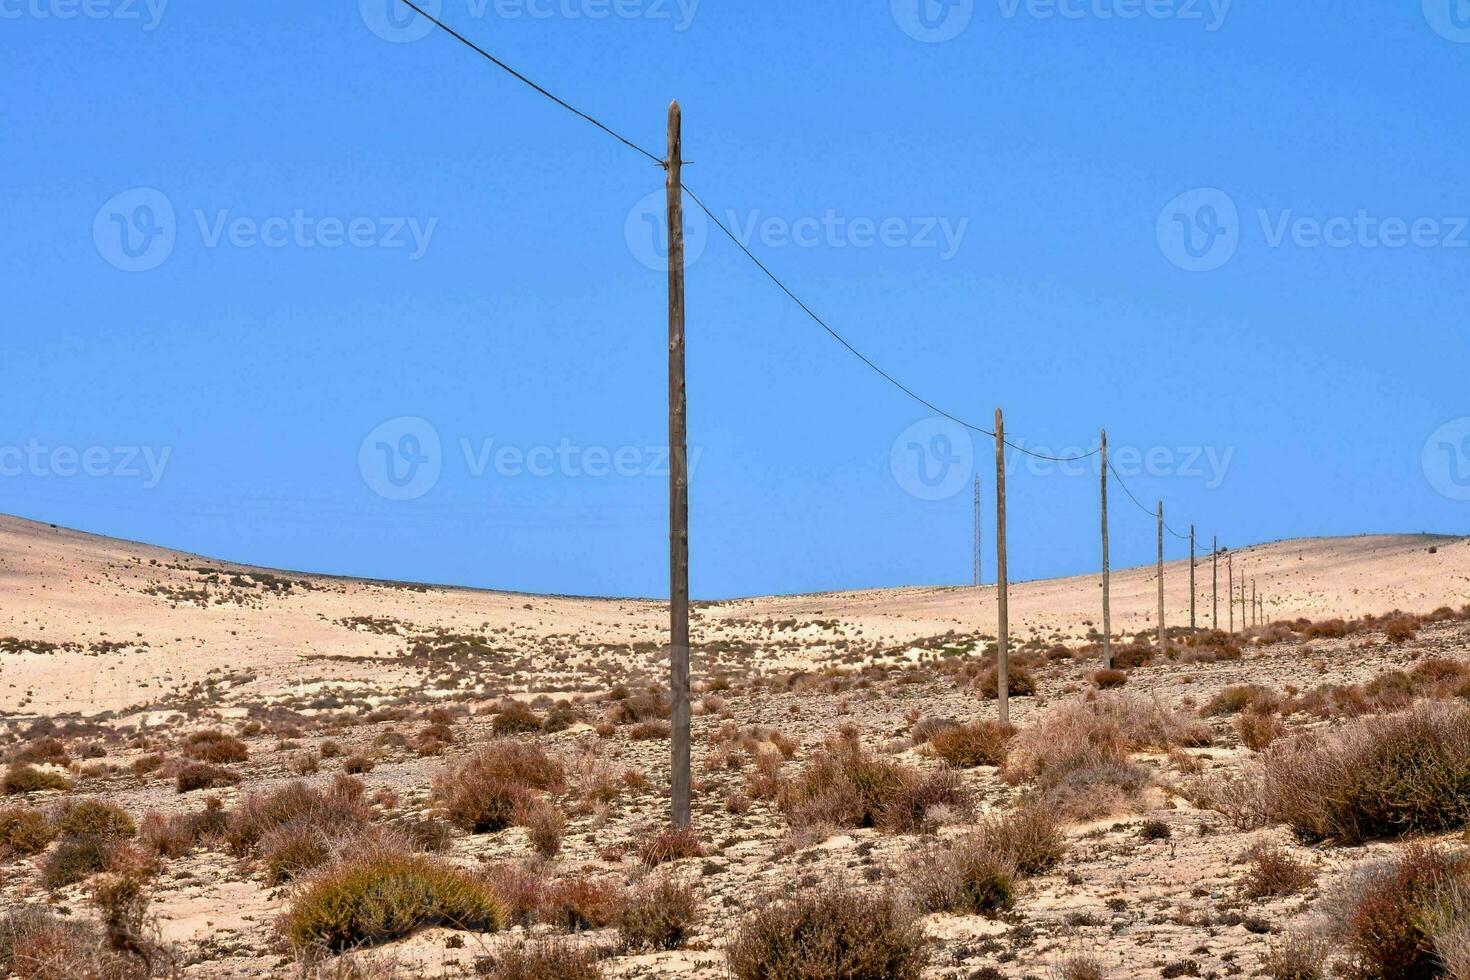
point(979, 578)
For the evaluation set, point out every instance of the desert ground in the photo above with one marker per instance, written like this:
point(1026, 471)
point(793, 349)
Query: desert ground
point(216, 771)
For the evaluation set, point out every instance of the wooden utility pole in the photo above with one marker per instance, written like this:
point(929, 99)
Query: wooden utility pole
point(1107, 657)
point(1215, 582)
point(1163, 631)
point(1255, 609)
point(1002, 645)
point(978, 571)
point(678, 483)
point(1192, 626)
point(1230, 589)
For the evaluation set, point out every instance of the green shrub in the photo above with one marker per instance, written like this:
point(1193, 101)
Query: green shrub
point(93, 818)
point(24, 778)
point(75, 859)
point(832, 932)
point(384, 895)
point(24, 831)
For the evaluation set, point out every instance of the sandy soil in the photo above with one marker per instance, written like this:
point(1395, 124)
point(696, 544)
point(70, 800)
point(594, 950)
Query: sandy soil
point(177, 643)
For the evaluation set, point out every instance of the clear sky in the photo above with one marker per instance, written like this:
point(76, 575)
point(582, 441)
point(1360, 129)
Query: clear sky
point(246, 246)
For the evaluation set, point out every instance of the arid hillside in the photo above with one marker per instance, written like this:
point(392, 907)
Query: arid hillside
point(91, 624)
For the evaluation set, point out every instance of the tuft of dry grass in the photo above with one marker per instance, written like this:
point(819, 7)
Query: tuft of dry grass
point(843, 785)
point(983, 743)
point(658, 914)
point(1275, 872)
point(1257, 730)
point(338, 811)
point(23, 832)
point(94, 818)
point(1376, 777)
point(667, 845)
point(1108, 678)
point(202, 775)
point(546, 959)
point(214, 746)
point(384, 894)
point(1020, 682)
point(22, 778)
point(829, 932)
point(483, 793)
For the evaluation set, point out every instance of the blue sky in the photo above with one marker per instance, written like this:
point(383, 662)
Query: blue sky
point(257, 253)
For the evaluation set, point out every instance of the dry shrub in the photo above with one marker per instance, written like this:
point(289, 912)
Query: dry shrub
point(1257, 730)
point(577, 902)
point(545, 826)
point(1108, 678)
point(36, 944)
point(926, 802)
point(1377, 777)
point(202, 775)
point(481, 794)
point(121, 897)
point(1383, 914)
point(305, 763)
point(962, 877)
point(1330, 629)
point(646, 731)
point(842, 785)
point(1029, 838)
point(546, 959)
point(1079, 967)
point(1019, 682)
point(166, 835)
point(359, 764)
point(1240, 697)
point(23, 832)
point(514, 719)
point(1275, 872)
point(93, 818)
point(1078, 753)
point(147, 764)
point(519, 886)
point(75, 859)
point(25, 778)
point(337, 811)
point(1401, 629)
point(385, 894)
point(658, 914)
point(669, 844)
point(831, 932)
point(1297, 957)
point(215, 746)
point(983, 743)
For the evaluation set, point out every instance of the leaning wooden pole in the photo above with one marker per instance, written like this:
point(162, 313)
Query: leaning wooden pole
point(1003, 637)
point(1163, 630)
point(678, 484)
point(1107, 621)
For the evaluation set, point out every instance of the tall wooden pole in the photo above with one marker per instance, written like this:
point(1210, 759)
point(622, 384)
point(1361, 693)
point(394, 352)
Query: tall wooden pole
point(1163, 630)
point(1255, 609)
point(1192, 626)
point(979, 565)
point(1107, 657)
point(1230, 588)
point(1002, 647)
point(678, 483)
point(1215, 583)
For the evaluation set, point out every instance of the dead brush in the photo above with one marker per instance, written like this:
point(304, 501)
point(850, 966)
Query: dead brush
point(214, 746)
point(836, 931)
point(843, 785)
point(669, 844)
point(982, 743)
point(338, 811)
point(1275, 872)
point(543, 959)
point(1258, 730)
point(1378, 777)
point(658, 914)
point(1241, 697)
point(482, 793)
